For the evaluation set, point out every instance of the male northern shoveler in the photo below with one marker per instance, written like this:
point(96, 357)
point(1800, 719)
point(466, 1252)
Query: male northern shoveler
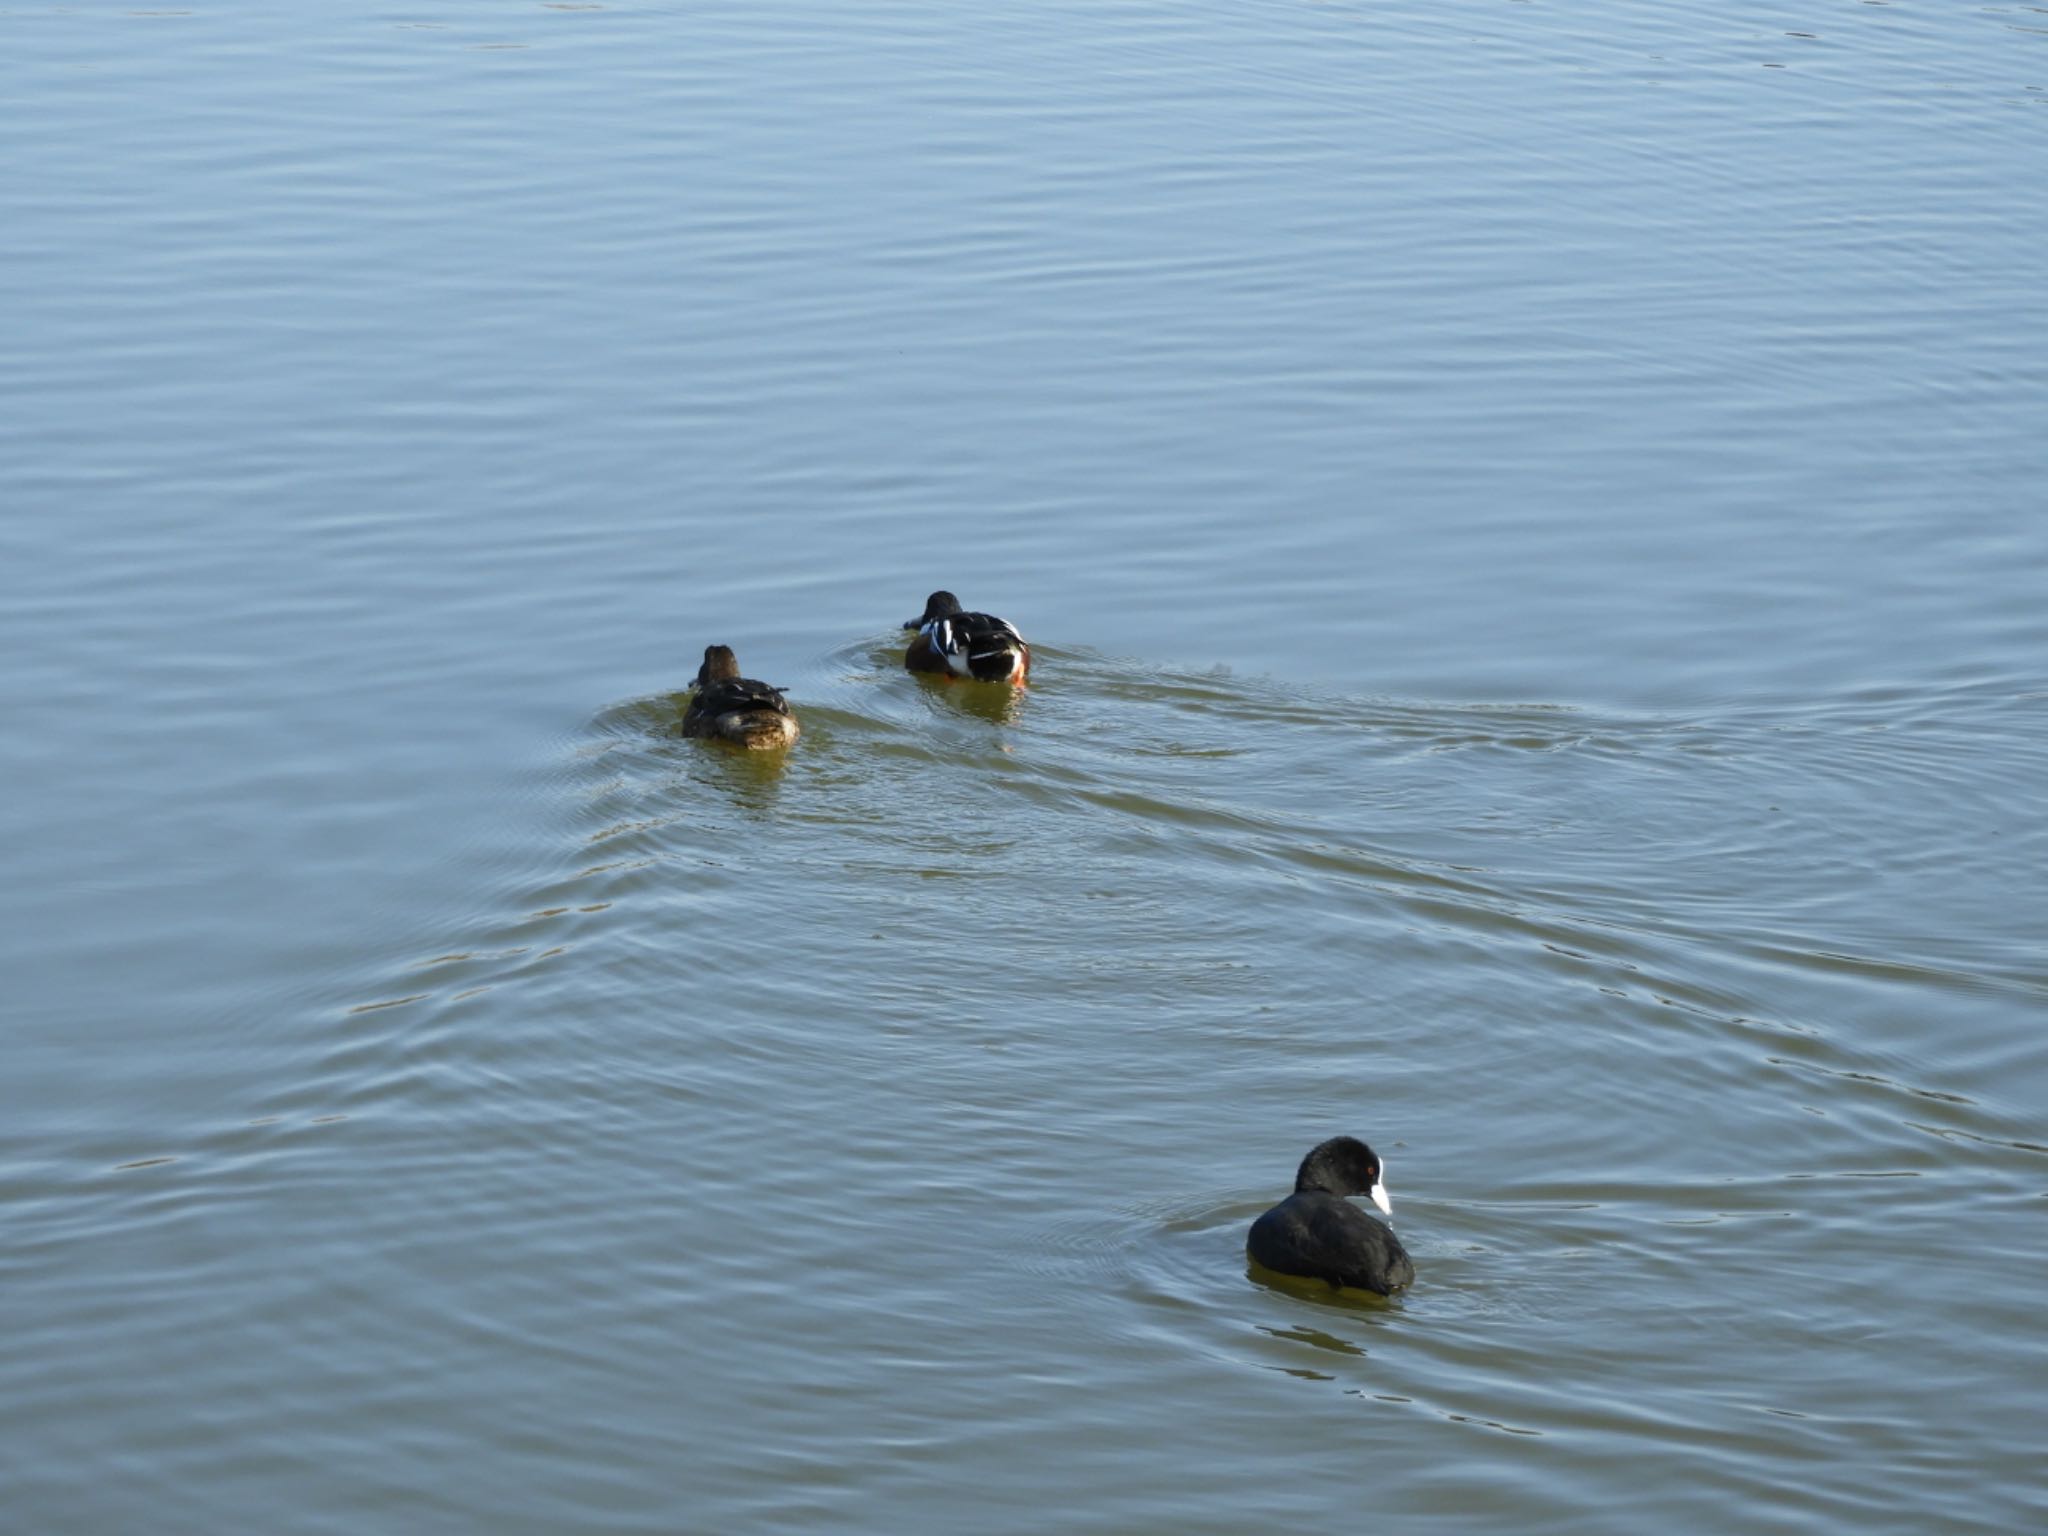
point(976, 645)
point(1316, 1233)
point(737, 709)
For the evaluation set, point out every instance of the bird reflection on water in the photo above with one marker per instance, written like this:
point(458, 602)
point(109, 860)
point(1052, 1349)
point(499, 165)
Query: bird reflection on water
point(997, 703)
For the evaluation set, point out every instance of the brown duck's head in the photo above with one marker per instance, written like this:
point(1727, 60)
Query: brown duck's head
point(720, 665)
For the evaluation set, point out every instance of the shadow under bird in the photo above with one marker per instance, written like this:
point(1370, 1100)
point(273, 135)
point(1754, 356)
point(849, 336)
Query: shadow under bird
point(728, 707)
point(962, 644)
point(1317, 1234)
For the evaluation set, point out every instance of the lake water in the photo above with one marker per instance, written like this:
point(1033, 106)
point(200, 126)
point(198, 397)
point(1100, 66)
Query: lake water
point(1532, 519)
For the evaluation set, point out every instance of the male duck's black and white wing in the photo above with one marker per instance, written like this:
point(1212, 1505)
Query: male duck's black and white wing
point(979, 645)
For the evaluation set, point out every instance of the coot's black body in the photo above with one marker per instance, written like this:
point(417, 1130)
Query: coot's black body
point(1317, 1234)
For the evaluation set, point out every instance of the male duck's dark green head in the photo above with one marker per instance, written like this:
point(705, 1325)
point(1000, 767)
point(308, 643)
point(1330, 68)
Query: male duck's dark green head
point(940, 605)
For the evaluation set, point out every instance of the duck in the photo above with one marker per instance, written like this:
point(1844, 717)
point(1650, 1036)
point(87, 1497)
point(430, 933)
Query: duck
point(1317, 1234)
point(960, 644)
point(728, 707)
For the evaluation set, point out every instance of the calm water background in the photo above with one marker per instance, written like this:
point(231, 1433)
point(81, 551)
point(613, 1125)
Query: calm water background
point(1533, 519)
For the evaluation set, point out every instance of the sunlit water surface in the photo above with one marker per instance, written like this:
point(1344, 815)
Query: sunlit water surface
point(1532, 518)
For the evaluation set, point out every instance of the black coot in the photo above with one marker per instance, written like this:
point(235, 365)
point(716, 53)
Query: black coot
point(1316, 1233)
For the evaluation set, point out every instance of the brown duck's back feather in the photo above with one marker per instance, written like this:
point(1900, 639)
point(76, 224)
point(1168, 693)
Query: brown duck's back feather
point(741, 710)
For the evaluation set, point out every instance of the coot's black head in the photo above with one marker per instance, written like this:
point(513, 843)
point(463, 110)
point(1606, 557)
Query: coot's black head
point(1344, 1165)
point(720, 665)
point(940, 605)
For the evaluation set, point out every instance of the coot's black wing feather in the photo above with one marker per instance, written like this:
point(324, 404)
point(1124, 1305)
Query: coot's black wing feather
point(1324, 1237)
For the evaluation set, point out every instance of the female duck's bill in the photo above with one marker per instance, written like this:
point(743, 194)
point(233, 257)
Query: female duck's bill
point(1318, 1234)
point(728, 707)
point(961, 644)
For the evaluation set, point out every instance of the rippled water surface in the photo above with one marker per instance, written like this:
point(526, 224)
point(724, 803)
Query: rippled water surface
point(1532, 519)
